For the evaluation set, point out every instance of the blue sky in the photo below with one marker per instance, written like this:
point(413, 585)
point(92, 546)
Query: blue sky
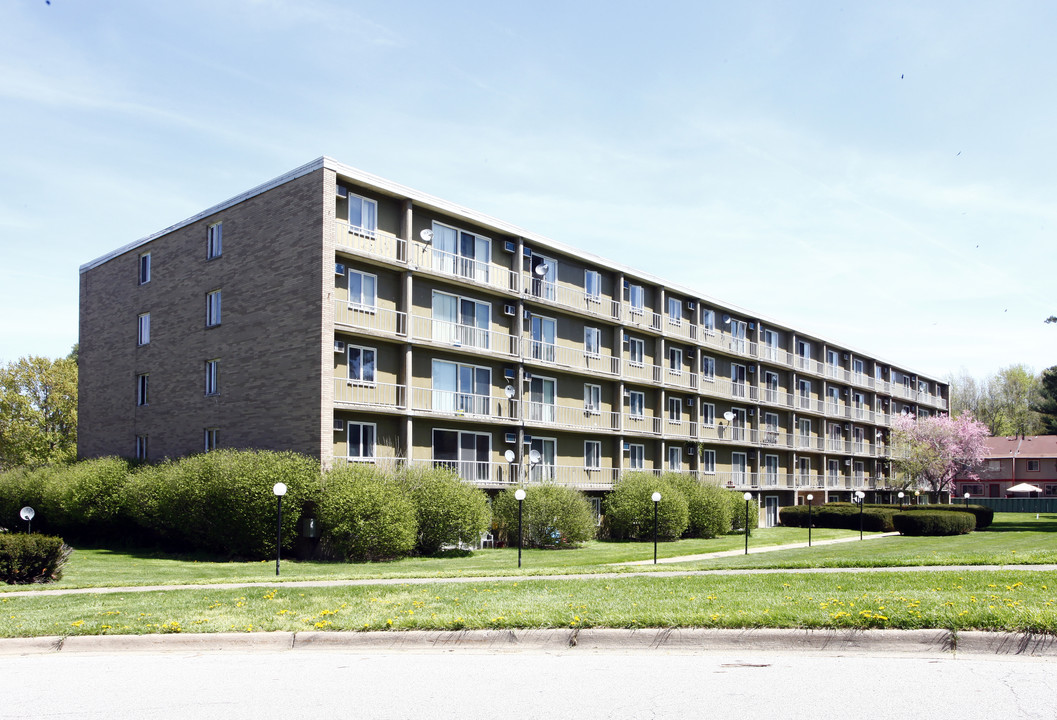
point(879, 173)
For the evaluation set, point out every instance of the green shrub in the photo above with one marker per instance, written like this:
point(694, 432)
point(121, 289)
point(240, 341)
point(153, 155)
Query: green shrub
point(87, 499)
point(629, 509)
point(222, 501)
point(934, 522)
point(365, 514)
point(31, 558)
point(795, 516)
point(554, 516)
point(984, 515)
point(449, 511)
point(708, 510)
point(875, 518)
point(20, 487)
point(737, 511)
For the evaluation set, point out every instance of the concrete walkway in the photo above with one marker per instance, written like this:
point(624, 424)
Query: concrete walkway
point(755, 550)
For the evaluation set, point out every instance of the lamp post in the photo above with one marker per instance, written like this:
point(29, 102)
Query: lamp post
point(966, 496)
point(27, 514)
point(656, 497)
point(900, 501)
point(917, 497)
point(860, 496)
point(519, 494)
point(748, 497)
point(279, 489)
point(810, 497)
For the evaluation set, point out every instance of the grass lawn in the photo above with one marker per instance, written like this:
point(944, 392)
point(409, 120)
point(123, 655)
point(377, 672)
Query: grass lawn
point(1007, 599)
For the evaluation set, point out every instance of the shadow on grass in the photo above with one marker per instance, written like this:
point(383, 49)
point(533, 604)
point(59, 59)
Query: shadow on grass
point(1047, 523)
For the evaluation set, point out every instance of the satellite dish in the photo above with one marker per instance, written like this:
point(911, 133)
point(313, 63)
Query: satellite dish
point(726, 319)
point(27, 513)
point(542, 269)
point(426, 235)
point(534, 456)
point(509, 455)
point(509, 390)
point(728, 416)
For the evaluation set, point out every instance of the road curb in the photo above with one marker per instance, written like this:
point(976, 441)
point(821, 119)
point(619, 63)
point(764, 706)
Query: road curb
point(922, 643)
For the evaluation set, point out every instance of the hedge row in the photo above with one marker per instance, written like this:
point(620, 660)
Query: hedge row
point(553, 516)
point(882, 518)
point(934, 522)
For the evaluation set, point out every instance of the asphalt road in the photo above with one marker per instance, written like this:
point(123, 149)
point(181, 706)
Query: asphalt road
point(339, 684)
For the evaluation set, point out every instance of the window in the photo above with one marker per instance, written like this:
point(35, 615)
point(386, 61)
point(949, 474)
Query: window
point(708, 368)
point(592, 341)
point(770, 434)
point(708, 321)
point(675, 410)
point(636, 457)
point(462, 253)
point(143, 329)
point(462, 321)
point(141, 447)
point(804, 390)
point(543, 395)
point(144, 268)
point(361, 364)
point(211, 438)
point(675, 360)
point(141, 389)
point(214, 243)
point(1049, 490)
point(675, 311)
point(708, 414)
point(833, 358)
point(544, 330)
point(858, 366)
point(636, 350)
point(1033, 465)
point(804, 426)
point(593, 398)
point(467, 453)
point(675, 458)
point(213, 308)
point(461, 388)
point(994, 465)
point(212, 377)
point(770, 344)
point(770, 381)
point(363, 289)
point(708, 462)
point(592, 454)
point(637, 297)
point(637, 403)
point(803, 351)
point(363, 215)
point(593, 285)
point(361, 441)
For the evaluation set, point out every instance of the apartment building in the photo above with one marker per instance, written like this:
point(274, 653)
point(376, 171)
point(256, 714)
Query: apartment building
point(335, 313)
point(1016, 460)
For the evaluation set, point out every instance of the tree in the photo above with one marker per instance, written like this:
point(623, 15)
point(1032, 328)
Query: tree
point(967, 394)
point(1046, 402)
point(931, 451)
point(38, 411)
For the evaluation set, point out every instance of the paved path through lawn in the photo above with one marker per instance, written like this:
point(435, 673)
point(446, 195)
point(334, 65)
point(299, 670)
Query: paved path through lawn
point(754, 550)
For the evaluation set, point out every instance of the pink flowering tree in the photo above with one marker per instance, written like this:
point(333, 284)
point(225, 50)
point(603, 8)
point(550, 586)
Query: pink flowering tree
point(930, 452)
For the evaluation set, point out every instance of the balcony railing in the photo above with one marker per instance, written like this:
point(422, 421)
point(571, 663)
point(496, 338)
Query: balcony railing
point(566, 296)
point(463, 336)
point(640, 318)
point(576, 418)
point(563, 356)
point(642, 424)
point(371, 395)
point(373, 320)
point(456, 404)
point(642, 372)
point(428, 258)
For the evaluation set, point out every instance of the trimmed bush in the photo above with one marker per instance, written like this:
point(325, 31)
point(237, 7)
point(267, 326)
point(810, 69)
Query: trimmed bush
point(796, 516)
point(366, 515)
point(934, 522)
point(449, 511)
point(222, 501)
point(31, 558)
point(629, 508)
point(737, 511)
point(708, 510)
point(87, 499)
point(554, 516)
point(20, 487)
point(984, 515)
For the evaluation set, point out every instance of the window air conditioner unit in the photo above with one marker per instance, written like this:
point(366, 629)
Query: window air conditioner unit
point(510, 246)
point(691, 450)
point(690, 305)
point(528, 315)
point(847, 426)
point(627, 394)
point(509, 310)
point(752, 326)
point(689, 402)
point(339, 425)
point(527, 252)
point(752, 412)
point(752, 369)
point(627, 285)
point(528, 439)
point(511, 438)
point(339, 269)
point(509, 373)
point(528, 376)
point(845, 356)
point(627, 447)
point(339, 346)
point(343, 191)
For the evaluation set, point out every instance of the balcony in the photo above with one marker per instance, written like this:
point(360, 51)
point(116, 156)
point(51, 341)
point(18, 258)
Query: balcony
point(572, 298)
point(641, 372)
point(468, 405)
point(475, 272)
point(640, 318)
point(569, 358)
point(370, 320)
point(376, 396)
point(464, 337)
point(680, 429)
point(574, 418)
point(680, 379)
point(680, 328)
point(642, 424)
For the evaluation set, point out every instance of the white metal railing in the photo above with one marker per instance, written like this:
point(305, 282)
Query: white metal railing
point(681, 328)
point(374, 243)
point(374, 395)
point(567, 296)
point(458, 404)
point(374, 320)
point(577, 418)
point(642, 371)
point(640, 318)
point(680, 379)
point(642, 424)
point(680, 429)
point(428, 258)
point(569, 357)
point(463, 336)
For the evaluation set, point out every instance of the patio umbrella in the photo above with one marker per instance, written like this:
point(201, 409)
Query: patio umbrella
point(1024, 487)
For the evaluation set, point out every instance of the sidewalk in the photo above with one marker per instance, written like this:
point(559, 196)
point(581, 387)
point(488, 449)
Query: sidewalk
point(754, 550)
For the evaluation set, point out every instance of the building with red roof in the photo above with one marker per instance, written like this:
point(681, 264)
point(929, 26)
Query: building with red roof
point(1015, 461)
